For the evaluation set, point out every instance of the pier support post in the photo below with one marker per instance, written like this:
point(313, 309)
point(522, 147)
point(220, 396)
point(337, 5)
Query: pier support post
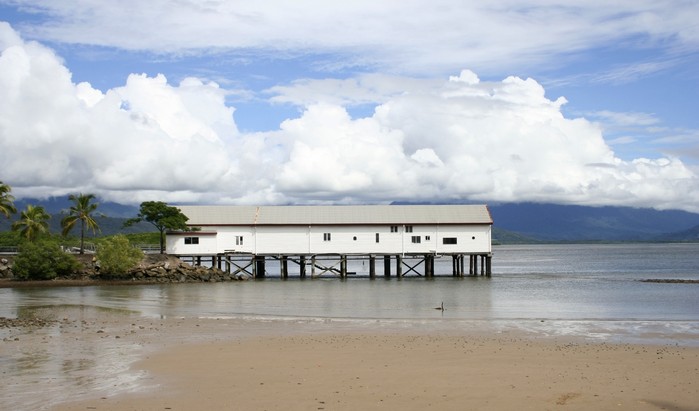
point(302, 266)
point(399, 266)
point(488, 263)
point(461, 259)
point(372, 267)
point(259, 266)
point(387, 266)
point(343, 266)
point(313, 266)
point(284, 266)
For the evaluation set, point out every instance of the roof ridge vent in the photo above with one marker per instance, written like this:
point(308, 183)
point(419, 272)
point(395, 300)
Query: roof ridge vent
point(257, 214)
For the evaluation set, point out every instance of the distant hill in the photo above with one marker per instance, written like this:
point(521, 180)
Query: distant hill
point(55, 205)
point(551, 222)
point(108, 226)
point(500, 236)
point(111, 223)
point(691, 234)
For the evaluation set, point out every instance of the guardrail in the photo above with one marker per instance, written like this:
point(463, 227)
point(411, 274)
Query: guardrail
point(89, 249)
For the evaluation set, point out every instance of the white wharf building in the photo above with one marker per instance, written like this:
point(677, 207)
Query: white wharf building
point(245, 236)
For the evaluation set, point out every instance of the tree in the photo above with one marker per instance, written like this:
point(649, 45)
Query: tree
point(117, 256)
point(7, 201)
point(82, 211)
point(32, 222)
point(43, 261)
point(162, 216)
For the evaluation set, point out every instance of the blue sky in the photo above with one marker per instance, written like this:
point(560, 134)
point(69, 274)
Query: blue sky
point(571, 102)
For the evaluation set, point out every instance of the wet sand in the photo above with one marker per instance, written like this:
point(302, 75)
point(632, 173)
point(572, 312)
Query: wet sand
point(229, 364)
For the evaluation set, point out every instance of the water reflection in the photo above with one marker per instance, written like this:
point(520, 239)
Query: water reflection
point(69, 357)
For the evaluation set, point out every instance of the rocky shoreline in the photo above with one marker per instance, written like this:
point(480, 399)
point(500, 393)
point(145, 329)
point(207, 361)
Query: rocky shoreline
point(154, 268)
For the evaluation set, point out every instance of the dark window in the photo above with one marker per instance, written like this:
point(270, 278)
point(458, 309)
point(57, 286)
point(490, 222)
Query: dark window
point(408, 229)
point(191, 240)
point(416, 239)
point(427, 238)
point(354, 238)
point(326, 236)
point(377, 237)
point(239, 240)
point(394, 228)
point(449, 240)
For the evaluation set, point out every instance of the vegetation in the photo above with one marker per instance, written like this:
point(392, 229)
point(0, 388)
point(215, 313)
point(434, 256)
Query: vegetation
point(43, 260)
point(33, 222)
point(150, 238)
point(162, 217)
point(116, 255)
point(82, 210)
point(7, 205)
point(9, 238)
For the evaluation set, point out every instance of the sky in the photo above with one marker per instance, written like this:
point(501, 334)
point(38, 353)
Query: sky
point(363, 102)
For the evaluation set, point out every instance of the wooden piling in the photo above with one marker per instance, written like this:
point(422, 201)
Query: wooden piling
point(372, 267)
point(260, 266)
point(387, 266)
point(302, 266)
point(343, 266)
point(284, 266)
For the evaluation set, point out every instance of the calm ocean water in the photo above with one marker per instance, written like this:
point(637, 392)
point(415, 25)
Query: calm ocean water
point(593, 292)
point(529, 282)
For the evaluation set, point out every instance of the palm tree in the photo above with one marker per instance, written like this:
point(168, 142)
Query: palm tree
point(81, 210)
point(32, 222)
point(7, 205)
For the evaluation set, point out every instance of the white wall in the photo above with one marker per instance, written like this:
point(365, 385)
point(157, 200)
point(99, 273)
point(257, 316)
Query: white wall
point(343, 240)
point(175, 244)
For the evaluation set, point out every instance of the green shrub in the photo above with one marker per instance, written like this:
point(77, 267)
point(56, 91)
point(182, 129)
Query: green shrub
point(116, 255)
point(144, 238)
point(43, 260)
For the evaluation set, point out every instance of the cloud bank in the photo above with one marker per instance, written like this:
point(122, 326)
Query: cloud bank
point(407, 36)
point(455, 138)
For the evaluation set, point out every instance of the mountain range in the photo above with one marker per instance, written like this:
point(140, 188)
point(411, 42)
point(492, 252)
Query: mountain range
point(513, 222)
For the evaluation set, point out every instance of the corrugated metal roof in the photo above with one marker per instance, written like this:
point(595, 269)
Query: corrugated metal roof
point(341, 215)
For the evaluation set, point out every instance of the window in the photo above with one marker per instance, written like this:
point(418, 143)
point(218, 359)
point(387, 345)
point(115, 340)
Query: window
point(394, 228)
point(427, 238)
point(408, 229)
point(449, 240)
point(354, 238)
point(239, 240)
point(416, 239)
point(191, 240)
point(377, 237)
point(326, 236)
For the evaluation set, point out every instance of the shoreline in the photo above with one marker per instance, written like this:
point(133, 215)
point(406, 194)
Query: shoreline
point(279, 366)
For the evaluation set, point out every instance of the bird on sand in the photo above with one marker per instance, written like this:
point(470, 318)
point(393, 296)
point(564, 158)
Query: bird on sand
point(441, 307)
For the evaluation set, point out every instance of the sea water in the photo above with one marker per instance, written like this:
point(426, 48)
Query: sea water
point(529, 282)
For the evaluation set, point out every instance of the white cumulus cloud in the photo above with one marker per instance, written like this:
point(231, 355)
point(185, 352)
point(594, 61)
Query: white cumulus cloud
point(456, 138)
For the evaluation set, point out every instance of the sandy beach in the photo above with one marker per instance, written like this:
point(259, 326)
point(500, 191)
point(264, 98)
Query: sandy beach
point(267, 366)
